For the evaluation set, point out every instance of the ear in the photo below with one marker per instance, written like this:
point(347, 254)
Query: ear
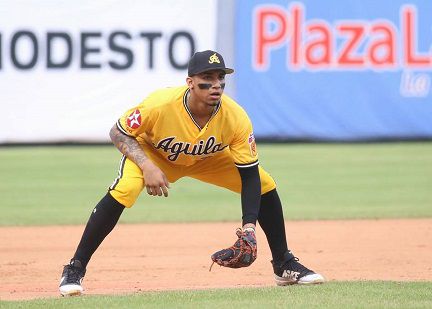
point(189, 82)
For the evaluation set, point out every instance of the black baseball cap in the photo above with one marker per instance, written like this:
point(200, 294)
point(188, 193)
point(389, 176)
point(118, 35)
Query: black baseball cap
point(205, 61)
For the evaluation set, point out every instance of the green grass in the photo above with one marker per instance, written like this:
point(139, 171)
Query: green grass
point(331, 295)
point(60, 185)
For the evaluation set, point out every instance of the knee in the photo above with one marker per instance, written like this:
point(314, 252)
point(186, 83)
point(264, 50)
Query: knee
point(267, 182)
point(267, 185)
point(126, 192)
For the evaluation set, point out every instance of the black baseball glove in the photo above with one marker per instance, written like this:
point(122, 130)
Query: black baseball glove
point(242, 254)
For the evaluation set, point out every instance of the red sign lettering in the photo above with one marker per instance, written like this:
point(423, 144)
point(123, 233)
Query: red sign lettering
point(336, 45)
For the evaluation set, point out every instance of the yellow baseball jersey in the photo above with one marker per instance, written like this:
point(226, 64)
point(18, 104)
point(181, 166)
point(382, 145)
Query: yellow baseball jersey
point(164, 122)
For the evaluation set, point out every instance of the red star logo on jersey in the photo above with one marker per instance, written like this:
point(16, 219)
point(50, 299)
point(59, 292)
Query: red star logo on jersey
point(133, 121)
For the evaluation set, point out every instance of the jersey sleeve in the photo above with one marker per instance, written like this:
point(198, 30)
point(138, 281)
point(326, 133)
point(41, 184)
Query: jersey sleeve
point(137, 120)
point(243, 147)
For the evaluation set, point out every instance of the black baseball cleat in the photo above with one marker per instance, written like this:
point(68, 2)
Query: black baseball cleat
point(290, 271)
point(71, 280)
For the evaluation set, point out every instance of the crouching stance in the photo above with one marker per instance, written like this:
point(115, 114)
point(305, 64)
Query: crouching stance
point(192, 131)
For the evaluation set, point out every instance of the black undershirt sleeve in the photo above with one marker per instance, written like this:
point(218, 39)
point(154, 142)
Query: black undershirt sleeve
point(250, 193)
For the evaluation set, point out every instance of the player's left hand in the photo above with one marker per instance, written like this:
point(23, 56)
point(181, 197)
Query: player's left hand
point(242, 254)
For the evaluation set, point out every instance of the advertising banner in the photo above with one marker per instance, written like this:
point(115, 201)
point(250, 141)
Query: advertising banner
point(335, 70)
point(69, 69)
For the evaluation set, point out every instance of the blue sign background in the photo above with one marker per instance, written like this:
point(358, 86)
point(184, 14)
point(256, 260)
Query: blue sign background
point(341, 104)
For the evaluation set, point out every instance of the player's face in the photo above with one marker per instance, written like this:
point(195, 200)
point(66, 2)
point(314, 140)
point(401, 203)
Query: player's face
point(209, 86)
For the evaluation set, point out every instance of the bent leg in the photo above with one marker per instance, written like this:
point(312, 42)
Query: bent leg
point(122, 193)
point(222, 172)
point(101, 222)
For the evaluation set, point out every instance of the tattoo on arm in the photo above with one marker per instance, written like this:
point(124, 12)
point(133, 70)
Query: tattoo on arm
point(128, 146)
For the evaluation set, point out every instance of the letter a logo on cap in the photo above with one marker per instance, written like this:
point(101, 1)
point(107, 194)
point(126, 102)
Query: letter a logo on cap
point(214, 58)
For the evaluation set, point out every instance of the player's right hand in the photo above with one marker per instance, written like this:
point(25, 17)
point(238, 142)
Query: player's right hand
point(155, 180)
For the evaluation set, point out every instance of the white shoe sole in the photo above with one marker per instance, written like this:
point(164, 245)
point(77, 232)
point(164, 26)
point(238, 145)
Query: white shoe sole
point(309, 279)
point(71, 290)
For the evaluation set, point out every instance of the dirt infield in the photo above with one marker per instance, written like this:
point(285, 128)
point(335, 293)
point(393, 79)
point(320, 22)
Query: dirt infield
point(177, 256)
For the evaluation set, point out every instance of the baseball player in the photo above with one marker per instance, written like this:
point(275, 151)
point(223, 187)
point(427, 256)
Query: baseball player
point(192, 131)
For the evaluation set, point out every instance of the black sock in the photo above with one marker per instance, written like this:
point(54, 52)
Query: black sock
point(101, 222)
point(272, 222)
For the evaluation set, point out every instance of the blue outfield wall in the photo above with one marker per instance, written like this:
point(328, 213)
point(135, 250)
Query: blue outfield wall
point(335, 70)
